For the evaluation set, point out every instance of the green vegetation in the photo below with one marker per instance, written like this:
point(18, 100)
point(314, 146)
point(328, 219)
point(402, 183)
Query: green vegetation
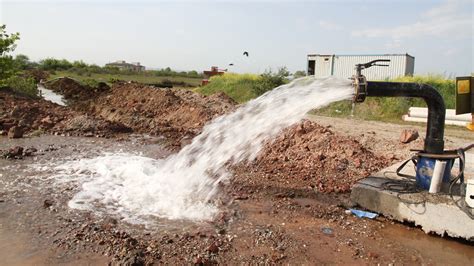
point(10, 68)
point(392, 109)
point(299, 74)
point(138, 77)
point(446, 88)
point(244, 87)
point(81, 68)
point(239, 87)
point(24, 85)
point(91, 73)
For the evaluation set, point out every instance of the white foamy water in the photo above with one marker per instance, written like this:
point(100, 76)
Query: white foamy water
point(51, 96)
point(182, 185)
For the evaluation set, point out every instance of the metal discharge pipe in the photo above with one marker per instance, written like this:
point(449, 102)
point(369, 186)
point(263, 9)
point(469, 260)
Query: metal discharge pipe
point(434, 141)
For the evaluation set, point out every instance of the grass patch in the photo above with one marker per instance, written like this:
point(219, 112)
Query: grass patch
point(391, 109)
point(244, 87)
point(138, 77)
point(240, 87)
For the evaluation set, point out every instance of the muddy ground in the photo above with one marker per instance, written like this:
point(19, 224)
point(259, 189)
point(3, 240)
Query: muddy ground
point(276, 209)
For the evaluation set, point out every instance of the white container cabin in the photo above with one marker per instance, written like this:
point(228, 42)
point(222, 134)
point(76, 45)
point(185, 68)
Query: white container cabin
point(342, 66)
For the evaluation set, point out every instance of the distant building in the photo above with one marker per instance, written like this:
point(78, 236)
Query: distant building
point(342, 66)
point(122, 65)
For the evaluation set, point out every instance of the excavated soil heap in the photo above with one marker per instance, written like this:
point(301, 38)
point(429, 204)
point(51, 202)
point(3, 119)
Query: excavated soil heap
point(73, 91)
point(31, 114)
point(28, 113)
point(309, 155)
point(173, 113)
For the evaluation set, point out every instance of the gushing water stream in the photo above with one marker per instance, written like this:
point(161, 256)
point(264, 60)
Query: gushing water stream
point(180, 186)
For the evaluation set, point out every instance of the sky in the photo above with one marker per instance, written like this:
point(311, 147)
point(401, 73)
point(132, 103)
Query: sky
point(194, 35)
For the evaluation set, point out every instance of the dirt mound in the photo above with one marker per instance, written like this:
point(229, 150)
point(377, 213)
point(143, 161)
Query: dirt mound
point(28, 113)
point(32, 115)
point(74, 91)
point(310, 155)
point(173, 113)
point(92, 126)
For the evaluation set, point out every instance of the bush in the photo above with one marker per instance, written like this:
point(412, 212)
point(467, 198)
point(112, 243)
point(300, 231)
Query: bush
point(23, 85)
point(53, 64)
point(91, 83)
point(244, 87)
point(240, 87)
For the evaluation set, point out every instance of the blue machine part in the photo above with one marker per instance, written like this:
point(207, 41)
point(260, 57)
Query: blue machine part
point(425, 168)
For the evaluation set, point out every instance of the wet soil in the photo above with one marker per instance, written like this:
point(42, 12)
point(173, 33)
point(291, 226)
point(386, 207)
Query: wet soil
point(286, 207)
point(260, 222)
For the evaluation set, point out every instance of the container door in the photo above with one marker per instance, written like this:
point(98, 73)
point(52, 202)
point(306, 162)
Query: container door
point(323, 66)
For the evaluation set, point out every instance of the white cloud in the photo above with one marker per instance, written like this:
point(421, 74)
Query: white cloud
point(327, 25)
point(438, 21)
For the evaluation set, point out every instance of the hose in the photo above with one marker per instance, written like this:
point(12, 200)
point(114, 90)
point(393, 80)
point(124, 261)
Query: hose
point(461, 204)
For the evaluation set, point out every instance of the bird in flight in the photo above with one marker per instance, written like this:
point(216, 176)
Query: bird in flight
point(246, 54)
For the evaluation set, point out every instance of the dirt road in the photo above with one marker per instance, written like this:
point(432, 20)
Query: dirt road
point(383, 137)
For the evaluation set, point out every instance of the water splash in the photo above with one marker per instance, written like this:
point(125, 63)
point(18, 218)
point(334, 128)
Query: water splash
point(180, 186)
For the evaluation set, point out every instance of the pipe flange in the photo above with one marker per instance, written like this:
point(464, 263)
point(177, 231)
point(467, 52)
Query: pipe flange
point(360, 88)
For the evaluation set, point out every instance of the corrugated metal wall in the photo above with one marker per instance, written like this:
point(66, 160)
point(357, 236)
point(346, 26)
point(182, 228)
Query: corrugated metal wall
point(410, 69)
point(343, 66)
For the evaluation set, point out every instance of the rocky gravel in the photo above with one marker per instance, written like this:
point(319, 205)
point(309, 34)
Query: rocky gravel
point(309, 155)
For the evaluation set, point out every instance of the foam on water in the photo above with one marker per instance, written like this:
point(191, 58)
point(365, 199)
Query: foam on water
point(182, 185)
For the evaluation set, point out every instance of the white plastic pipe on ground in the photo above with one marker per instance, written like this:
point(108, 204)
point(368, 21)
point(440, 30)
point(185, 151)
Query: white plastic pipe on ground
point(422, 112)
point(470, 193)
point(424, 120)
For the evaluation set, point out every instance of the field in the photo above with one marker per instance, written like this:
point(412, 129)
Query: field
point(240, 87)
point(142, 78)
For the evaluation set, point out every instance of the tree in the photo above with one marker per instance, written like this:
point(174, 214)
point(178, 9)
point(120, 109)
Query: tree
point(271, 80)
point(299, 74)
point(79, 64)
point(55, 64)
point(283, 72)
point(10, 67)
point(22, 62)
point(7, 45)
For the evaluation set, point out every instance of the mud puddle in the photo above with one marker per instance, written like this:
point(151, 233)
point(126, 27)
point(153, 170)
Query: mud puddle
point(436, 250)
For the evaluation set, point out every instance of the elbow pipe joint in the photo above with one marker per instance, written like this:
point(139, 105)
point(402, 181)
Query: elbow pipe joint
point(434, 141)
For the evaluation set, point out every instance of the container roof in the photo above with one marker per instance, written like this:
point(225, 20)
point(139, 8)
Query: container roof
point(406, 54)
